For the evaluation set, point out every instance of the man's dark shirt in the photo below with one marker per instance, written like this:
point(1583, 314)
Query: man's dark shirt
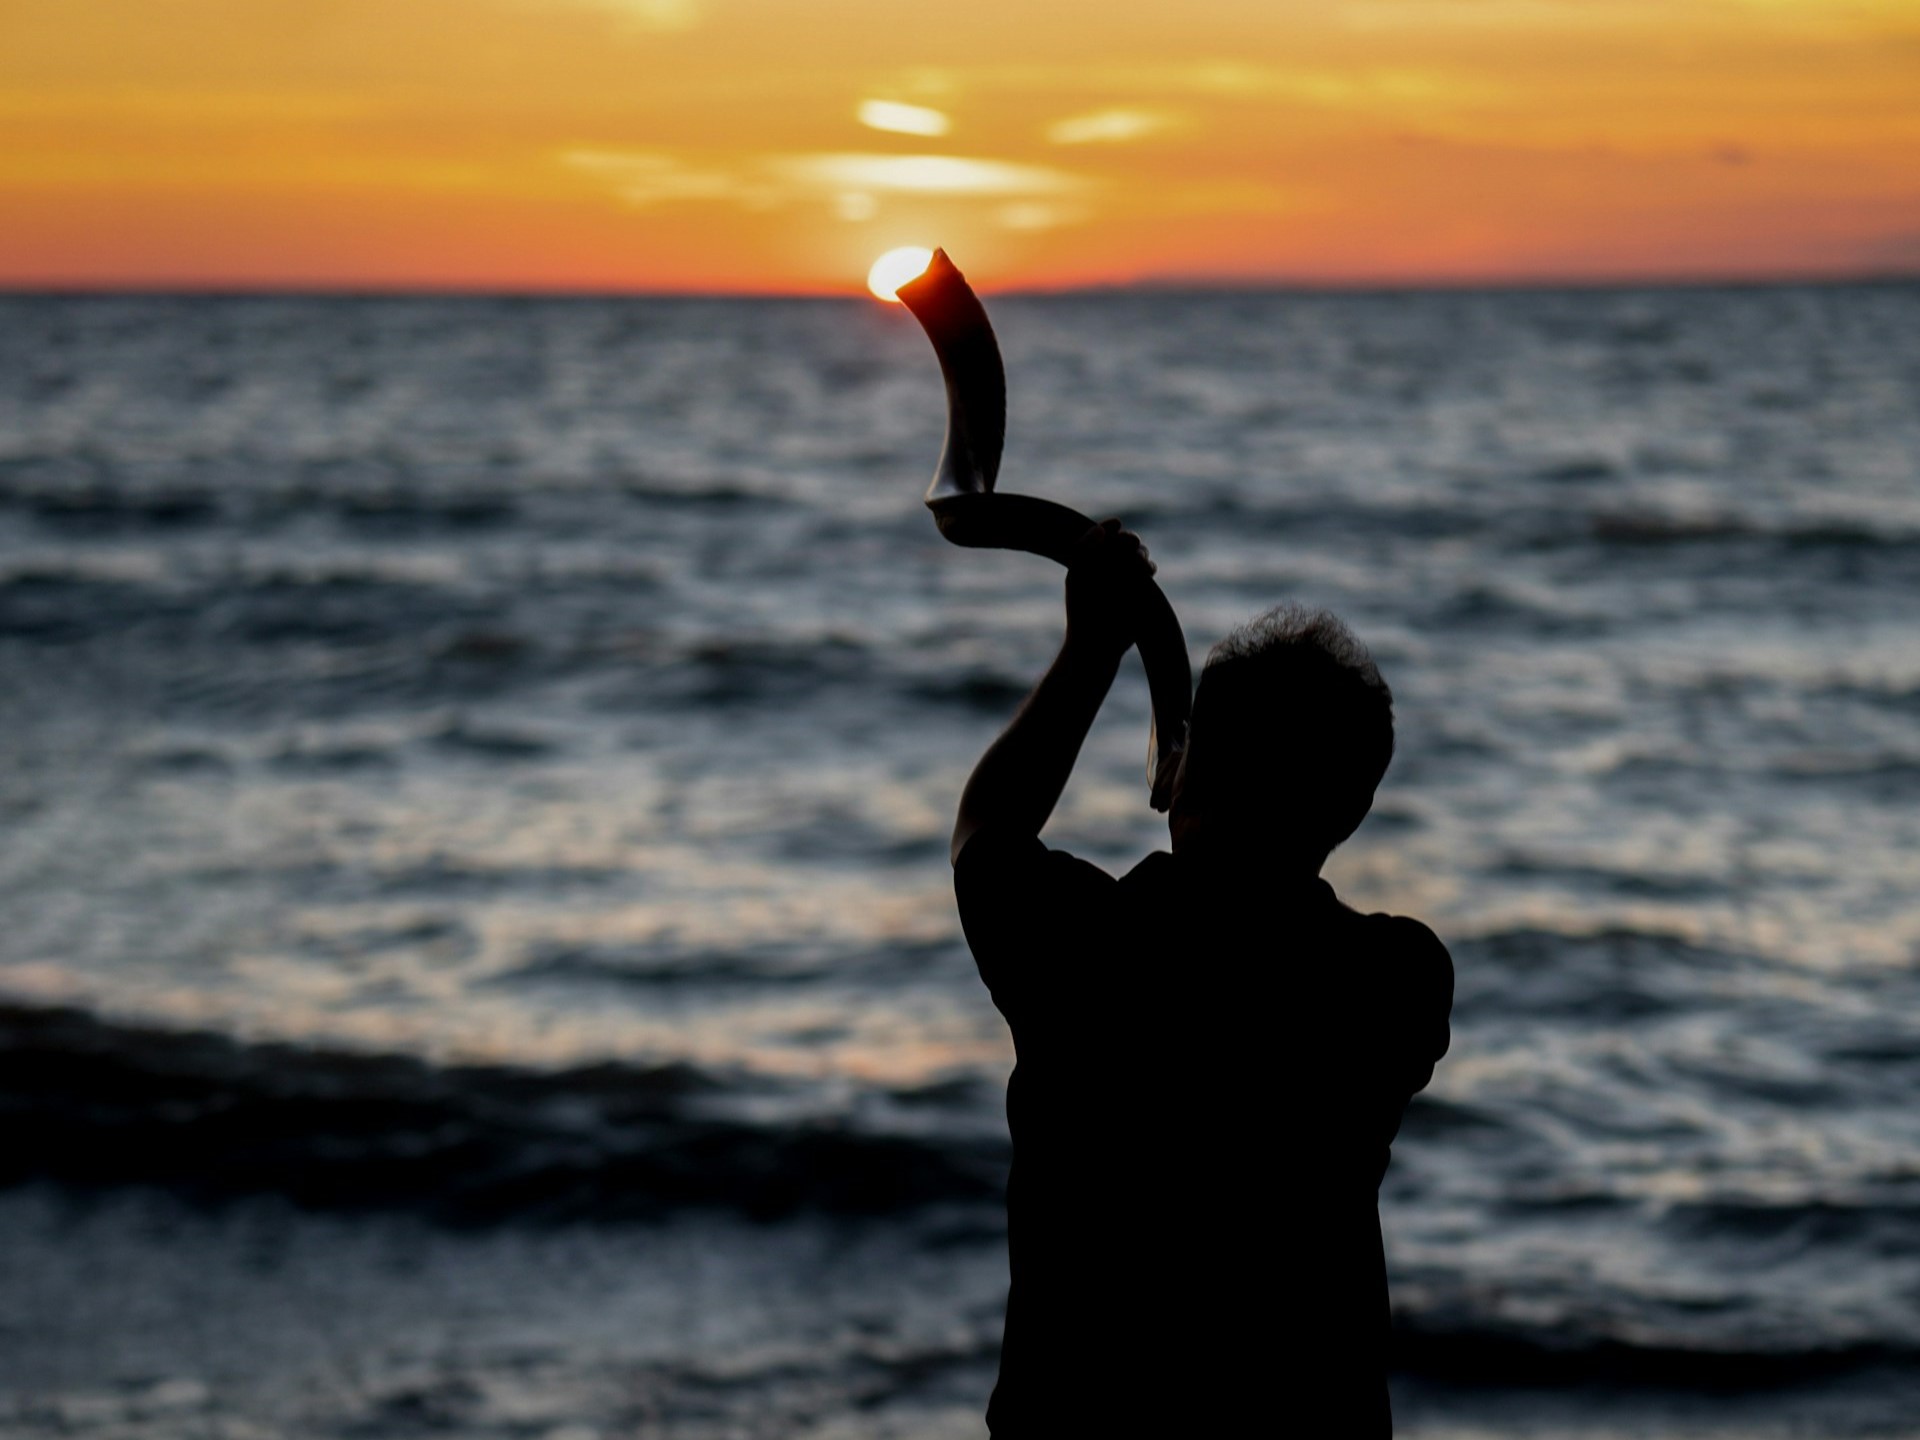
point(1211, 1065)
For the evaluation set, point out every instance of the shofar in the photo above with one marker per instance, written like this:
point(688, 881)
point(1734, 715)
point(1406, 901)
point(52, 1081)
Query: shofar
point(968, 511)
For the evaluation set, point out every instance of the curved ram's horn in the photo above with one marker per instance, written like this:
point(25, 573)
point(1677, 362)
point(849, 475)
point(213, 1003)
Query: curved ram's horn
point(969, 513)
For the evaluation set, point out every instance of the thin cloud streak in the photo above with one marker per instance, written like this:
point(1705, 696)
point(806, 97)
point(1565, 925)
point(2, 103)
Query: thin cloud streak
point(642, 177)
point(930, 175)
point(901, 119)
point(1108, 127)
point(669, 16)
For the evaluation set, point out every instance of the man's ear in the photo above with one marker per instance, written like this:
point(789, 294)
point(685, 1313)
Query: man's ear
point(1178, 785)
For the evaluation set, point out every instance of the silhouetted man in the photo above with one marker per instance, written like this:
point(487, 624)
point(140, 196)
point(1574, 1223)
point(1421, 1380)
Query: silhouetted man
point(1213, 1052)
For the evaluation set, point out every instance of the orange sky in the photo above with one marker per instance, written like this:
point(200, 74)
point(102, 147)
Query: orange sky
point(737, 145)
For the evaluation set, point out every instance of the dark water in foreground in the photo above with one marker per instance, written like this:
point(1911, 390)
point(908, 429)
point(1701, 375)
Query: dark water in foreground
point(475, 792)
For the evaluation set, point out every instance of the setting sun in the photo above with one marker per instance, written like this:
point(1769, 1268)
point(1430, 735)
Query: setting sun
point(896, 268)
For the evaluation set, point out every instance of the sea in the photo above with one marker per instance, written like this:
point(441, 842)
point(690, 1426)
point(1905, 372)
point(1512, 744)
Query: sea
point(479, 954)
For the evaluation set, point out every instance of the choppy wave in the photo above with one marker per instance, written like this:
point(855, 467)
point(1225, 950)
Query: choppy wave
point(1630, 528)
point(92, 1103)
point(1491, 1357)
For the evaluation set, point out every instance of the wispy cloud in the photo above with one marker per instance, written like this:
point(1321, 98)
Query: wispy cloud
point(1042, 214)
point(1328, 85)
point(848, 181)
point(901, 119)
point(926, 175)
point(653, 14)
point(1111, 126)
point(647, 177)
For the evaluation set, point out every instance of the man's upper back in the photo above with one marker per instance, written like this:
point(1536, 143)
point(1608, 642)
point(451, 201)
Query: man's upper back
point(1211, 1066)
point(1185, 952)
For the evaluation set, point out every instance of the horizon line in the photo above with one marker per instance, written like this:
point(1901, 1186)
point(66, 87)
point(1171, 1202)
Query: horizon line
point(1155, 285)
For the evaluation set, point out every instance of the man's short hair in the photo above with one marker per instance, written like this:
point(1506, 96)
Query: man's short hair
point(1292, 729)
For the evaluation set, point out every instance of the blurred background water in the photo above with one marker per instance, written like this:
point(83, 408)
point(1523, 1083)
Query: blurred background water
point(479, 948)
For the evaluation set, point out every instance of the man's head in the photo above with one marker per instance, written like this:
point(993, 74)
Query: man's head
point(1292, 729)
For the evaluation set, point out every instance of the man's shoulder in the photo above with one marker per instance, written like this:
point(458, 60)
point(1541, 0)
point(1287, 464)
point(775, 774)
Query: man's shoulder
point(1405, 935)
point(1013, 873)
point(1036, 919)
point(992, 853)
point(1412, 957)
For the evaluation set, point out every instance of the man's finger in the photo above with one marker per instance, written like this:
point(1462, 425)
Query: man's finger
point(1139, 548)
point(1109, 546)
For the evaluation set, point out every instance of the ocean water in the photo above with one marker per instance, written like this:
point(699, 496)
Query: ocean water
point(479, 951)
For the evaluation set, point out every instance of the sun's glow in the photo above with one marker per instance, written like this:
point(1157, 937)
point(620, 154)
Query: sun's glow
point(896, 268)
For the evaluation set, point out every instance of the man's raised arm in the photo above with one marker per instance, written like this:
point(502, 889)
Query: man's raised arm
point(1018, 781)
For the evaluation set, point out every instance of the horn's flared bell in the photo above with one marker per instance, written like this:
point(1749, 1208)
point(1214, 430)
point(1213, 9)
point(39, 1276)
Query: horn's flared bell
point(956, 323)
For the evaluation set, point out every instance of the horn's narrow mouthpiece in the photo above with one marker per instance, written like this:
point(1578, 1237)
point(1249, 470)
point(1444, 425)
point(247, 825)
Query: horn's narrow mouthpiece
point(955, 321)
